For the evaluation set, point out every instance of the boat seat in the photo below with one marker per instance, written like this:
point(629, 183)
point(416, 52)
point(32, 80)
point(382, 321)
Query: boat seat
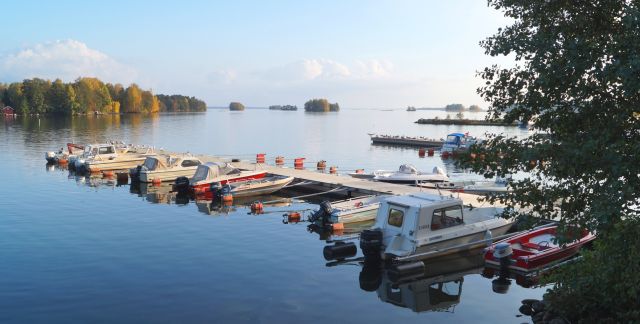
point(535, 246)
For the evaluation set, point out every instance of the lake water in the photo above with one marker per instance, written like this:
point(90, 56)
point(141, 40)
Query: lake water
point(79, 249)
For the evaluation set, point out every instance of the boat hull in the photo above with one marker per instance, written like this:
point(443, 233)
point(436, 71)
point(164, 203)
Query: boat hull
point(165, 175)
point(445, 246)
point(203, 188)
point(110, 165)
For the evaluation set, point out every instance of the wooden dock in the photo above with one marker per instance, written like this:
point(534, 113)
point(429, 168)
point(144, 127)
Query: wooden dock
point(324, 181)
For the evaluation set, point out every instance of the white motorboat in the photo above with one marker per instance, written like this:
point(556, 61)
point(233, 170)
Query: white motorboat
point(165, 168)
point(421, 225)
point(499, 186)
point(252, 187)
point(103, 157)
point(408, 174)
point(352, 210)
point(214, 172)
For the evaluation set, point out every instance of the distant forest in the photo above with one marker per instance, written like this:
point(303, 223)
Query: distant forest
point(90, 95)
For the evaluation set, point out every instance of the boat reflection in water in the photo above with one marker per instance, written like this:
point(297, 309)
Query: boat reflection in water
point(154, 193)
point(218, 207)
point(438, 288)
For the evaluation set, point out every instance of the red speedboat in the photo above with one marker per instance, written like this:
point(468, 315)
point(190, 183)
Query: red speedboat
point(534, 250)
point(208, 173)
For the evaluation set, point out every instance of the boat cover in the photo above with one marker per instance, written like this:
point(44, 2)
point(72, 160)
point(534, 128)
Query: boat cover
point(212, 170)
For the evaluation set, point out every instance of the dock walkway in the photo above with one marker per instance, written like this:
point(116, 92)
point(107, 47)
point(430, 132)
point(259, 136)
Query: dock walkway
point(325, 181)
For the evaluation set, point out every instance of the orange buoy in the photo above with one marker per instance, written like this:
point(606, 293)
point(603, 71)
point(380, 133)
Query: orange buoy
point(333, 170)
point(421, 152)
point(257, 207)
point(322, 165)
point(63, 161)
point(293, 217)
point(430, 152)
point(260, 157)
point(298, 163)
point(107, 174)
point(279, 160)
point(337, 227)
point(227, 198)
point(156, 181)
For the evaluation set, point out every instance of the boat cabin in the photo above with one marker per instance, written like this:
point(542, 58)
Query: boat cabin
point(410, 218)
point(153, 163)
point(103, 151)
point(458, 141)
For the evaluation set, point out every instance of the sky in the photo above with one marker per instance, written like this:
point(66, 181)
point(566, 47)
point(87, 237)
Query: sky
point(361, 54)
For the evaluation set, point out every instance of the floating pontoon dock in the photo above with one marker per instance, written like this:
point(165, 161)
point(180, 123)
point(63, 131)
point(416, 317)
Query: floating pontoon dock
point(311, 179)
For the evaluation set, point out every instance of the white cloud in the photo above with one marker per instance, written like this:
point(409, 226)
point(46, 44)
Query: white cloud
point(311, 70)
point(64, 59)
point(226, 76)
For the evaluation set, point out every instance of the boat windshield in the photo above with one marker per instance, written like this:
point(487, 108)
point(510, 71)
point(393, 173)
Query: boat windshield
point(106, 150)
point(201, 173)
point(446, 217)
point(452, 139)
point(150, 164)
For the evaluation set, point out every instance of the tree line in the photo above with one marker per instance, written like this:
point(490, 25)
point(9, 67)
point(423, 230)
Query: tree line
point(89, 95)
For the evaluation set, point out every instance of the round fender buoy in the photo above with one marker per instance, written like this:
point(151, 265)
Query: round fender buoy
point(339, 251)
point(293, 217)
point(227, 198)
point(156, 182)
point(421, 152)
point(107, 174)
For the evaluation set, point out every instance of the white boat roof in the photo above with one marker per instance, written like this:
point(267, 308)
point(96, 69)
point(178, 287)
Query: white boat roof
point(418, 199)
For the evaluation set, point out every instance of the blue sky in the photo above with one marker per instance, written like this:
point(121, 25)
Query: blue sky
point(359, 53)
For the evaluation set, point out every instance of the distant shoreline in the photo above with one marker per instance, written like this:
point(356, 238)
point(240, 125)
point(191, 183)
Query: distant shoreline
point(467, 122)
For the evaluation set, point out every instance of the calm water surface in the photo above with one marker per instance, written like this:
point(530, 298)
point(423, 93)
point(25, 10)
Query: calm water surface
point(76, 249)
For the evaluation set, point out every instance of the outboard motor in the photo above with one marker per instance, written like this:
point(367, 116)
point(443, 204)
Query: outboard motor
point(503, 252)
point(181, 185)
point(322, 214)
point(135, 173)
point(371, 243)
point(219, 191)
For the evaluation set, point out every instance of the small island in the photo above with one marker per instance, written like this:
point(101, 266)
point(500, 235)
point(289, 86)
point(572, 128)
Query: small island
point(285, 107)
point(321, 105)
point(411, 108)
point(236, 106)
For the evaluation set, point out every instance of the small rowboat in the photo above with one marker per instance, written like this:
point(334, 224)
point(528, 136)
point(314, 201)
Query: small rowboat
point(534, 250)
